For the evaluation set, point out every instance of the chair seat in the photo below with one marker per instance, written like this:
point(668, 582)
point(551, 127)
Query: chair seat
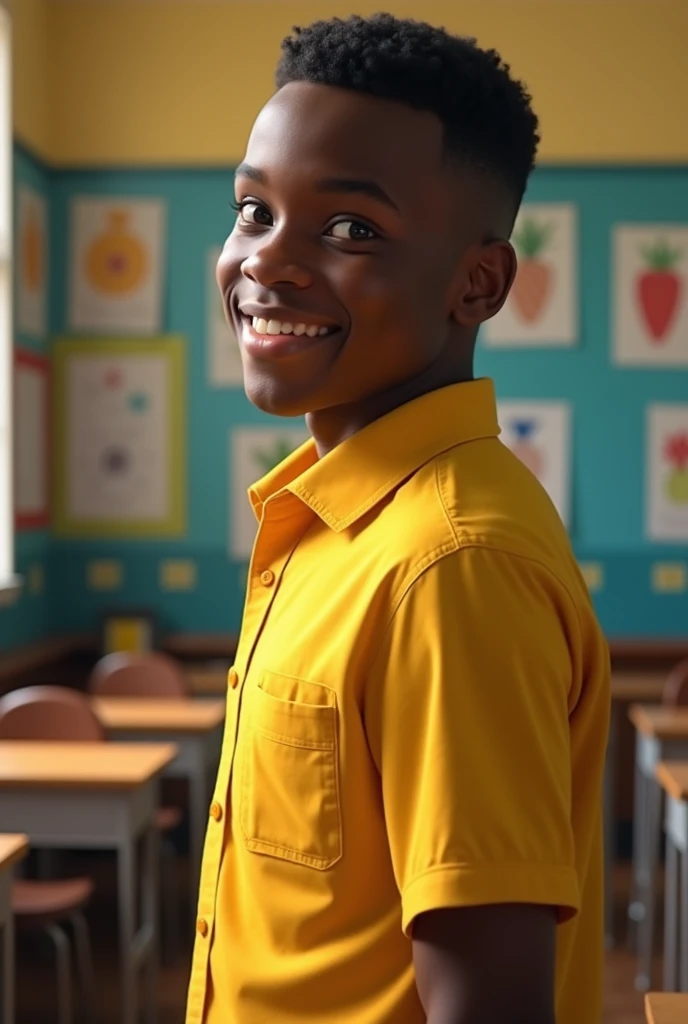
point(40, 902)
point(167, 818)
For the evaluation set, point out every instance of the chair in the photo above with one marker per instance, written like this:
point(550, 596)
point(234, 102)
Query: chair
point(54, 713)
point(675, 693)
point(153, 675)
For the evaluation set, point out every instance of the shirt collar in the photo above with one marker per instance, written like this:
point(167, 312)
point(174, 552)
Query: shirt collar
point(351, 479)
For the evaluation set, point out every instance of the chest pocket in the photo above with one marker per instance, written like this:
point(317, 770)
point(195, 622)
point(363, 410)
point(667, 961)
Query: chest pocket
point(289, 804)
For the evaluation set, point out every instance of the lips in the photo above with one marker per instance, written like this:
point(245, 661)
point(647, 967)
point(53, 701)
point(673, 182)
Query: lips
point(268, 333)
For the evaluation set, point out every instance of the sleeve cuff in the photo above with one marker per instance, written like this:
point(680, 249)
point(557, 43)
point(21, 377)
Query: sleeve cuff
point(470, 885)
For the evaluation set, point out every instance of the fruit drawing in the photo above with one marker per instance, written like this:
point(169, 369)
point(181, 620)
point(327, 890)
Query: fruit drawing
point(268, 458)
point(532, 286)
point(676, 454)
point(658, 289)
point(529, 453)
point(117, 261)
point(32, 253)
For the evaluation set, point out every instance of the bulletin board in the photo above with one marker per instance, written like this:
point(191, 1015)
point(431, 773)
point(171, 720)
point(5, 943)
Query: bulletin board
point(120, 437)
point(31, 439)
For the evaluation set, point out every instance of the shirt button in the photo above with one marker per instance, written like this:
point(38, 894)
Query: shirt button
point(267, 577)
point(202, 927)
point(216, 811)
point(233, 678)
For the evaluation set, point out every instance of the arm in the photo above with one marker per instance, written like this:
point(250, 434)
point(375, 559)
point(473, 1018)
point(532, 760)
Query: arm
point(478, 965)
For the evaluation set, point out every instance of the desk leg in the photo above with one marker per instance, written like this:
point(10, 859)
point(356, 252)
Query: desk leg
point(647, 884)
point(671, 916)
point(7, 937)
point(683, 924)
point(150, 919)
point(610, 826)
point(636, 909)
point(126, 879)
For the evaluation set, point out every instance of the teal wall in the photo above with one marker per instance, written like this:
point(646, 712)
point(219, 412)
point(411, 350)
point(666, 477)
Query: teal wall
point(29, 616)
point(608, 406)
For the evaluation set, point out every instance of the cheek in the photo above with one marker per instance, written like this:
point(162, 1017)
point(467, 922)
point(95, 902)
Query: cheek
point(396, 295)
point(228, 267)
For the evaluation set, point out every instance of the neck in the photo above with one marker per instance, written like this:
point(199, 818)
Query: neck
point(329, 427)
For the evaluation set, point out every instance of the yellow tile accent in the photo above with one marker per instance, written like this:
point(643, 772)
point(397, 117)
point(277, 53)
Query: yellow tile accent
point(669, 577)
point(35, 579)
point(178, 574)
point(593, 574)
point(104, 574)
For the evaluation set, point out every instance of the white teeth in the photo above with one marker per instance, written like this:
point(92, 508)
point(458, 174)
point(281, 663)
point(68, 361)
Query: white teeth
point(262, 326)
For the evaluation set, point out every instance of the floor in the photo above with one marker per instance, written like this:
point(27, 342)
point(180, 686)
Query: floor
point(36, 979)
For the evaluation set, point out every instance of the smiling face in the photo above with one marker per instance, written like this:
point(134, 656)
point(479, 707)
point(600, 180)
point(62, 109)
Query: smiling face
point(358, 267)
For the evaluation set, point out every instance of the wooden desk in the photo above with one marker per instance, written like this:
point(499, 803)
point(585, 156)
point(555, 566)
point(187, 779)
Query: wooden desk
point(673, 778)
point(207, 680)
point(195, 728)
point(627, 687)
point(661, 735)
point(95, 796)
point(12, 849)
point(665, 1008)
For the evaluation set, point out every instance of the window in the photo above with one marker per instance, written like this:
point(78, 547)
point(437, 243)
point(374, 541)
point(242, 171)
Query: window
point(7, 578)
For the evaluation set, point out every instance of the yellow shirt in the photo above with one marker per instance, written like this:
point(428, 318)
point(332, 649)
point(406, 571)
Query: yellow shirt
point(417, 718)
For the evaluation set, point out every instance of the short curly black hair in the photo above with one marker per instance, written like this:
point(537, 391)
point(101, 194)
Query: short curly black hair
point(487, 115)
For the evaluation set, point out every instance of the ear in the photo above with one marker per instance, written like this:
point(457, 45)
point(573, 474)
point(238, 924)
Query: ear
point(486, 277)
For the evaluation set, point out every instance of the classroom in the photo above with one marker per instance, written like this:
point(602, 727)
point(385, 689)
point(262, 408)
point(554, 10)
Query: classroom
point(128, 445)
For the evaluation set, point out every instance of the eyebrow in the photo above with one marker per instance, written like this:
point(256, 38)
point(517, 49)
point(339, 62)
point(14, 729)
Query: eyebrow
point(343, 186)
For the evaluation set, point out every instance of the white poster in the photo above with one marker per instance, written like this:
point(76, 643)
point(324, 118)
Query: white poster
point(651, 295)
point(254, 451)
point(667, 472)
point(224, 357)
point(116, 271)
point(542, 307)
point(32, 262)
point(539, 433)
point(118, 425)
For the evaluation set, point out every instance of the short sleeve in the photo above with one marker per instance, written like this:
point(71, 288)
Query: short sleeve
point(467, 716)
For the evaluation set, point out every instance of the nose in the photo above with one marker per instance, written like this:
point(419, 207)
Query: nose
point(274, 262)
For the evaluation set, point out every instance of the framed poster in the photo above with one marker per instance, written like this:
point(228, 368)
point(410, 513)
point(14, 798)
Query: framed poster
point(31, 439)
point(253, 452)
point(115, 270)
point(120, 432)
point(651, 295)
point(32, 262)
point(222, 347)
point(542, 307)
point(539, 433)
point(666, 475)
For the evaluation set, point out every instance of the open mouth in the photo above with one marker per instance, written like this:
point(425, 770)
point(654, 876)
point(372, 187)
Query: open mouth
point(283, 328)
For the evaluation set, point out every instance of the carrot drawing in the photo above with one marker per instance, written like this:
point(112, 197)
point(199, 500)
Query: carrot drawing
point(534, 278)
point(659, 289)
point(676, 454)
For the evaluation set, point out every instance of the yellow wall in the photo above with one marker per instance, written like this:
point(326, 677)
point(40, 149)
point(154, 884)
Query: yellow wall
point(30, 65)
point(179, 83)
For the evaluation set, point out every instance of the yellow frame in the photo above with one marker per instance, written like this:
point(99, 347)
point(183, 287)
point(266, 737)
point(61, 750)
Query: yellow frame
point(174, 523)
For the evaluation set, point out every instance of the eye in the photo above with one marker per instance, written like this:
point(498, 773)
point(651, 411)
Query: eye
point(352, 231)
point(253, 213)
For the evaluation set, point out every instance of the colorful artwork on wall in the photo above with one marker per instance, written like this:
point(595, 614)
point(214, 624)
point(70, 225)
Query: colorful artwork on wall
point(667, 472)
point(222, 348)
point(651, 295)
point(121, 437)
point(542, 307)
point(116, 265)
point(539, 434)
point(32, 262)
point(31, 439)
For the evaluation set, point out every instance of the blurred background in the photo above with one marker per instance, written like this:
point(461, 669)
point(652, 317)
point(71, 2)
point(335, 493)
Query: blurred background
point(129, 444)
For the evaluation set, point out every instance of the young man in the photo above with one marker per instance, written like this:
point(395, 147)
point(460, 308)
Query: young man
point(406, 823)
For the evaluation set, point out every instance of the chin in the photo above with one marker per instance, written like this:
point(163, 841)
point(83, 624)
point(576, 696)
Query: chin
point(270, 397)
